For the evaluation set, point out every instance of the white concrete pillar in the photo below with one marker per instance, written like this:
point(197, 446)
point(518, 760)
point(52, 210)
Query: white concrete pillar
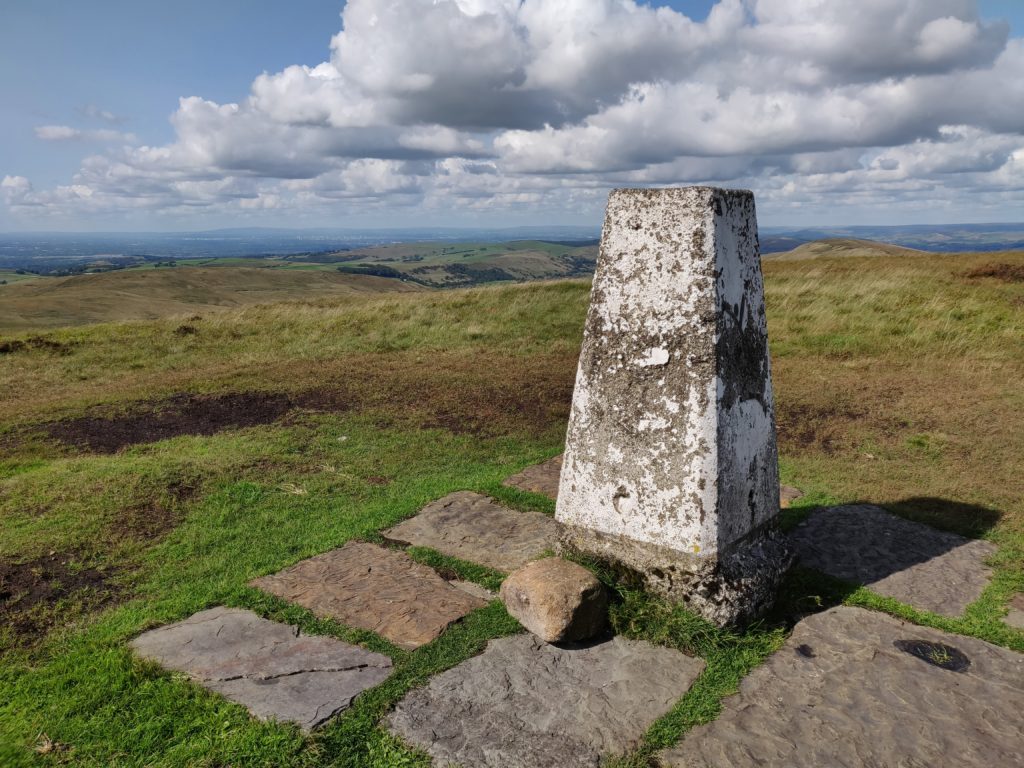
point(671, 466)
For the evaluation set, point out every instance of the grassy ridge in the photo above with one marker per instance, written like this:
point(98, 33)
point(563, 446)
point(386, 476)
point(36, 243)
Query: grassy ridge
point(155, 289)
point(844, 247)
point(148, 293)
point(897, 381)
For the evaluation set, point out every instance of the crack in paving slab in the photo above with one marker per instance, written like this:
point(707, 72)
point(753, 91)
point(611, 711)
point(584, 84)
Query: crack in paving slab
point(369, 587)
point(853, 688)
point(270, 668)
point(476, 528)
point(528, 704)
point(929, 569)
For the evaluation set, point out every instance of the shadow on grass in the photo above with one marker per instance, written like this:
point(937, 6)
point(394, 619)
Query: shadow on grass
point(970, 520)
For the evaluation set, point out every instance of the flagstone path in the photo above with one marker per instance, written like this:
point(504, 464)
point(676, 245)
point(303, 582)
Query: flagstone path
point(270, 668)
point(929, 569)
point(1015, 613)
point(475, 528)
point(369, 587)
point(540, 478)
point(853, 688)
point(528, 704)
point(849, 688)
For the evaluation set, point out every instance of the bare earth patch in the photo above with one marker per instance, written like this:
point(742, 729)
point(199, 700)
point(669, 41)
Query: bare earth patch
point(34, 342)
point(462, 396)
point(1007, 273)
point(148, 522)
point(31, 591)
point(184, 414)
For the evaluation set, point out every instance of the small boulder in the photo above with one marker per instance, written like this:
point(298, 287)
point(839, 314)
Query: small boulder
point(556, 600)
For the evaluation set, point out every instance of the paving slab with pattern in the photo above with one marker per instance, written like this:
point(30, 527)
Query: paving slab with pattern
point(853, 688)
point(476, 528)
point(528, 704)
point(540, 478)
point(1015, 612)
point(928, 569)
point(270, 668)
point(369, 587)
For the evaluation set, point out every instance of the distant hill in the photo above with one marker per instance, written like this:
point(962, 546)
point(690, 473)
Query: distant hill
point(453, 265)
point(149, 288)
point(843, 247)
point(942, 238)
point(153, 293)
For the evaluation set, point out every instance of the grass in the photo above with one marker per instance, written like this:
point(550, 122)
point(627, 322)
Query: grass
point(134, 294)
point(153, 290)
point(897, 382)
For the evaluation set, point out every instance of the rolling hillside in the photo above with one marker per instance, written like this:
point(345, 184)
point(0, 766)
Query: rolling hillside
point(152, 293)
point(193, 286)
point(451, 265)
point(151, 290)
point(843, 247)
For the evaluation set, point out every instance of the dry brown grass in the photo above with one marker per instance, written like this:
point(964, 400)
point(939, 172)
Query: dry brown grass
point(844, 247)
point(154, 293)
point(900, 379)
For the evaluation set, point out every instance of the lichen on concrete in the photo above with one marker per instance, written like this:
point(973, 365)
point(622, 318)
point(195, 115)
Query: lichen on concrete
point(671, 443)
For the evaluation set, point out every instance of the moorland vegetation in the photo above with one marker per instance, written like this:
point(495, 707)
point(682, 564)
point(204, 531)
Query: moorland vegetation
point(151, 468)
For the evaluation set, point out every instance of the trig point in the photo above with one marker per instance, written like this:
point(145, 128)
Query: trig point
point(671, 465)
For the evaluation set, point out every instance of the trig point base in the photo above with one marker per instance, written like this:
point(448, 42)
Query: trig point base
point(671, 465)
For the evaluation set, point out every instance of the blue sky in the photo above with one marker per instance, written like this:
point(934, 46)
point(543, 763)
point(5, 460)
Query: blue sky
point(92, 135)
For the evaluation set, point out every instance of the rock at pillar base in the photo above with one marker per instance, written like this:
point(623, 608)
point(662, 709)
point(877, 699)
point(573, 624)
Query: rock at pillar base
point(558, 601)
point(671, 465)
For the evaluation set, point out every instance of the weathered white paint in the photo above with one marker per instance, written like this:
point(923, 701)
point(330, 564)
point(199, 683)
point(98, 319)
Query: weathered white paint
point(668, 444)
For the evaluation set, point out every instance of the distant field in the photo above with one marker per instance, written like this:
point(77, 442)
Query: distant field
point(449, 265)
point(147, 473)
point(10, 277)
point(138, 294)
point(187, 286)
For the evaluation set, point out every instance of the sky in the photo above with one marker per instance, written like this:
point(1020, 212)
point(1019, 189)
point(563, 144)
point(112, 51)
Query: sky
point(122, 115)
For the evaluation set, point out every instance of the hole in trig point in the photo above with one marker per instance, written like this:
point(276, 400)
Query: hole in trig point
point(622, 500)
point(936, 654)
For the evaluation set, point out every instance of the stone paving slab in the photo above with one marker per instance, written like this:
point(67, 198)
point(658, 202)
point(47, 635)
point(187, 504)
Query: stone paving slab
point(540, 478)
point(475, 589)
point(270, 668)
point(528, 704)
point(929, 569)
point(1015, 614)
point(851, 688)
point(369, 587)
point(475, 528)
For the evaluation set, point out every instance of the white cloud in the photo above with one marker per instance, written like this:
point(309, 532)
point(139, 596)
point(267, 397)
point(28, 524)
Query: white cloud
point(94, 112)
point(518, 105)
point(67, 133)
